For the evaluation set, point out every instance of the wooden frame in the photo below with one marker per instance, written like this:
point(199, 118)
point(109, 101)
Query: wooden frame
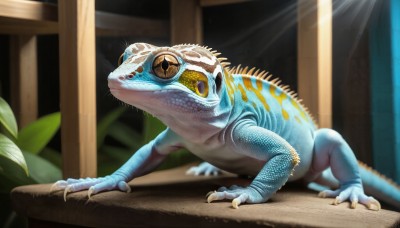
point(186, 27)
point(315, 58)
point(78, 87)
point(24, 78)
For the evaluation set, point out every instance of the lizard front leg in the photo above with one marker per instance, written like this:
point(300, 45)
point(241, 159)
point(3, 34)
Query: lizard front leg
point(280, 159)
point(145, 160)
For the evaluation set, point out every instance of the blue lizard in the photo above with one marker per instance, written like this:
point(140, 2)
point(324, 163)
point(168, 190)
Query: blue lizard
point(236, 119)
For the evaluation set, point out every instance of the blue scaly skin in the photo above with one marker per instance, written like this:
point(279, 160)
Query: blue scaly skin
point(235, 119)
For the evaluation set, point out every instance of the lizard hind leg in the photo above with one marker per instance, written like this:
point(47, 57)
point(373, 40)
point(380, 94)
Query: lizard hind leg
point(332, 151)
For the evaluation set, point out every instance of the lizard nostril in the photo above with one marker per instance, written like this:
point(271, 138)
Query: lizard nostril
point(121, 78)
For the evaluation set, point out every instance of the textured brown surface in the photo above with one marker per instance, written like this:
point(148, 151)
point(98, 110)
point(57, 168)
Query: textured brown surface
point(171, 199)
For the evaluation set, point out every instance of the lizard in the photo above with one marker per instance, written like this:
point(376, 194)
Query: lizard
point(236, 119)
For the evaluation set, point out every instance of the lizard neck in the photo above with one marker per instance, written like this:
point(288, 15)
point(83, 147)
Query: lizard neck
point(200, 127)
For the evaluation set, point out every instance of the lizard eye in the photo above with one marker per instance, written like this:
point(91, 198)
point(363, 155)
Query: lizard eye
point(121, 59)
point(165, 66)
point(201, 88)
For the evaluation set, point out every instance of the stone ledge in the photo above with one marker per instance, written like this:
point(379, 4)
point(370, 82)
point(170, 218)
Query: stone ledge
point(172, 199)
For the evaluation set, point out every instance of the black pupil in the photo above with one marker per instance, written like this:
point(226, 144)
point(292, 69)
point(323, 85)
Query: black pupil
point(165, 64)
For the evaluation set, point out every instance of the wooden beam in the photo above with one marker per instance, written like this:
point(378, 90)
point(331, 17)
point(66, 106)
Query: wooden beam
point(28, 10)
point(26, 27)
point(23, 71)
point(315, 58)
point(31, 17)
point(207, 3)
point(109, 24)
point(77, 85)
point(186, 22)
point(27, 17)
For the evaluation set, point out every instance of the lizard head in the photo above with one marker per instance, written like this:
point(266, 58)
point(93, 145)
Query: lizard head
point(175, 81)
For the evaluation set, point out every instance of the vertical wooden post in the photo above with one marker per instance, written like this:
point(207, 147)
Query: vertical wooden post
point(315, 58)
point(77, 85)
point(385, 88)
point(23, 62)
point(186, 22)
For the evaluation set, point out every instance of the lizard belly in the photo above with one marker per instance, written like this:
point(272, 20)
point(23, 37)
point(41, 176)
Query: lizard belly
point(227, 159)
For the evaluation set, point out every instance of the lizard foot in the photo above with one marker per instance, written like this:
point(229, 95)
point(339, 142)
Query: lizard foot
point(94, 185)
point(354, 194)
point(237, 194)
point(205, 169)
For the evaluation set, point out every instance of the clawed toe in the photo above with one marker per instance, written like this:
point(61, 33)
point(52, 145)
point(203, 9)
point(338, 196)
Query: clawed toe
point(354, 194)
point(93, 185)
point(238, 195)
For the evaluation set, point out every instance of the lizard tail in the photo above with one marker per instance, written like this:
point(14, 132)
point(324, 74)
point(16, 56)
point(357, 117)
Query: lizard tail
point(379, 186)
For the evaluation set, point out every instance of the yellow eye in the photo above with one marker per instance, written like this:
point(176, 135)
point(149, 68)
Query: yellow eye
point(120, 59)
point(201, 88)
point(195, 81)
point(165, 66)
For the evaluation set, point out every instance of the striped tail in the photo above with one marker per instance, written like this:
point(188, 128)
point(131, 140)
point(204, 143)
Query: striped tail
point(379, 186)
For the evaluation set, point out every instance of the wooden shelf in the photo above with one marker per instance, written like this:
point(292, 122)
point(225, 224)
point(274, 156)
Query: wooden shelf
point(109, 24)
point(207, 3)
point(30, 17)
point(27, 17)
point(172, 199)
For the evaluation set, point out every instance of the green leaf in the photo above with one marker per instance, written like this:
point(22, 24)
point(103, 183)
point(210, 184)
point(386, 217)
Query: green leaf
point(105, 122)
point(126, 135)
point(152, 127)
point(7, 119)
point(11, 152)
point(52, 156)
point(110, 158)
point(34, 137)
point(118, 154)
point(42, 171)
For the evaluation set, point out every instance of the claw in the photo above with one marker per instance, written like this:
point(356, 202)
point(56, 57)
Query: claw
point(235, 203)
point(354, 204)
point(59, 185)
point(209, 193)
point(90, 192)
point(123, 186)
point(322, 195)
point(374, 205)
point(128, 188)
point(337, 201)
point(67, 189)
point(212, 197)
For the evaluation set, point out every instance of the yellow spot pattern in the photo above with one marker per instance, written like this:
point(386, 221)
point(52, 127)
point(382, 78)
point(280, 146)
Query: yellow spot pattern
point(243, 92)
point(249, 86)
point(285, 114)
point(297, 107)
point(257, 87)
point(229, 84)
point(280, 98)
